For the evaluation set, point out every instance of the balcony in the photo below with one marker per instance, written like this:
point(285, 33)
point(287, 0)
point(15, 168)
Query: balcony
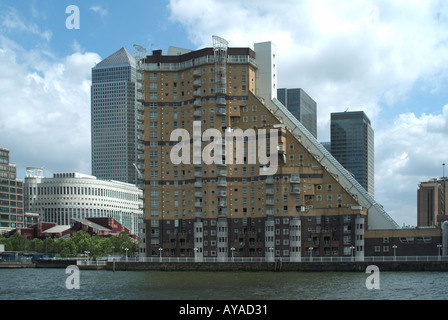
point(295, 190)
point(197, 93)
point(197, 103)
point(222, 193)
point(270, 191)
point(222, 212)
point(295, 178)
point(221, 111)
point(222, 203)
point(281, 148)
point(222, 172)
point(270, 201)
point(198, 194)
point(269, 180)
point(222, 163)
point(222, 182)
point(198, 173)
point(197, 83)
point(198, 204)
point(197, 72)
point(198, 214)
point(198, 184)
point(197, 113)
point(221, 101)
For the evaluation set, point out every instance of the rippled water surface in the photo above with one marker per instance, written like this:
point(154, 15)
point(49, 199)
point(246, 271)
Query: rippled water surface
point(50, 284)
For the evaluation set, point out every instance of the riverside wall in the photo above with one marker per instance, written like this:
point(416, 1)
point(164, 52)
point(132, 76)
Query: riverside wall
point(278, 266)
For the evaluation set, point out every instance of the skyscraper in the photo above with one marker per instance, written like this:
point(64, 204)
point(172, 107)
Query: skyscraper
point(301, 105)
point(116, 119)
point(11, 195)
point(352, 144)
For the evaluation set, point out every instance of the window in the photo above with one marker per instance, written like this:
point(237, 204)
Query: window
point(154, 204)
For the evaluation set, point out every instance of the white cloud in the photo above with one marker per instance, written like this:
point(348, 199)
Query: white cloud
point(362, 55)
point(100, 10)
point(12, 21)
point(343, 53)
point(410, 150)
point(45, 107)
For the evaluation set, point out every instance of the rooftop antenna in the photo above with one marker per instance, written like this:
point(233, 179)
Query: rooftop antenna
point(443, 168)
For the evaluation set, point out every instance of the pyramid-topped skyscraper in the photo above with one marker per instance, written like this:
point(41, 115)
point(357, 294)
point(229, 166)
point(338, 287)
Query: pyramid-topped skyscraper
point(115, 119)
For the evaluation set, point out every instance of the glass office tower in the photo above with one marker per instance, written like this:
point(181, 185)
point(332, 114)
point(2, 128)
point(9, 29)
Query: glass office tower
point(116, 119)
point(352, 144)
point(301, 105)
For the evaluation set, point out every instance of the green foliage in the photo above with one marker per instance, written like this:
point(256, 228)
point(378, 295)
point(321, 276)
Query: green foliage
point(80, 242)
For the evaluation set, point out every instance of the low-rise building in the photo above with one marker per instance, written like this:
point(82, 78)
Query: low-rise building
point(68, 196)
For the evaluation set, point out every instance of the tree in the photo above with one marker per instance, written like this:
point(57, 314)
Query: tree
point(6, 242)
point(122, 241)
point(49, 246)
point(18, 242)
point(36, 245)
point(68, 248)
point(78, 243)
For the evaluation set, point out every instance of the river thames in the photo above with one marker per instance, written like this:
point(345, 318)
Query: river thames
point(53, 284)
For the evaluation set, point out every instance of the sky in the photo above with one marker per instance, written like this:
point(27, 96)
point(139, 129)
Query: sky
point(387, 58)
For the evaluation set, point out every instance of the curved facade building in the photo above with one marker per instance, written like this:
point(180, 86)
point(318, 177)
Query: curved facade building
point(76, 195)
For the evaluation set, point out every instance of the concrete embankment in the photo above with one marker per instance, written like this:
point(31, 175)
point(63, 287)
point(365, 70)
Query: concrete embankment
point(278, 266)
point(64, 263)
point(354, 266)
point(16, 264)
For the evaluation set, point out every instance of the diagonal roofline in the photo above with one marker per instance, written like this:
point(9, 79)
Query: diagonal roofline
point(121, 57)
point(377, 217)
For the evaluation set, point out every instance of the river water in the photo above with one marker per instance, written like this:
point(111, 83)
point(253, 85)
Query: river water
point(52, 284)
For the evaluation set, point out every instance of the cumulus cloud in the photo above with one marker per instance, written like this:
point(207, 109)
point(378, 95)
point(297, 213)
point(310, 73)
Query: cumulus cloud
point(100, 10)
point(45, 107)
point(410, 150)
point(344, 53)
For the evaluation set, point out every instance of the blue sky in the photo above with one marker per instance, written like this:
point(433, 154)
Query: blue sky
point(387, 58)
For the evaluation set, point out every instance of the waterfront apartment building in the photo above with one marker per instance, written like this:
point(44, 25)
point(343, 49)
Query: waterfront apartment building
point(67, 196)
point(116, 119)
point(299, 203)
point(432, 202)
point(11, 195)
point(352, 144)
point(301, 105)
